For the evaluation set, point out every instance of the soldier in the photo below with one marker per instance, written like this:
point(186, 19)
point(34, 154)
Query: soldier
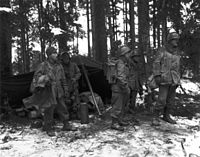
point(166, 71)
point(72, 74)
point(49, 87)
point(135, 82)
point(120, 89)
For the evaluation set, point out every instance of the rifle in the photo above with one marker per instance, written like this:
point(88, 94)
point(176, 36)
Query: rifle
point(89, 85)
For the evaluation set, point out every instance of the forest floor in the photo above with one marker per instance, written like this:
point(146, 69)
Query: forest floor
point(96, 139)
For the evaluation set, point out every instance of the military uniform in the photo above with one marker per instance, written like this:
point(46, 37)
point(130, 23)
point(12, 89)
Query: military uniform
point(135, 82)
point(166, 70)
point(52, 95)
point(120, 92)
point(49, 89)
point(72, 74)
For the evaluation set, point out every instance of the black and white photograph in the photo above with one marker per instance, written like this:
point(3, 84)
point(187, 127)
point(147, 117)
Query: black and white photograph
point(100, 78)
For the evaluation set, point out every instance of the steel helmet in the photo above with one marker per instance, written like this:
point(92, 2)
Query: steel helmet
point(50, 50)
point(124, 50)
point(64, 53)
point(135, 53)
point(172, 35)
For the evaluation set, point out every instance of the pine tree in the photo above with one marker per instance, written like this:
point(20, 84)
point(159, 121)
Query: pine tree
point(100, 40)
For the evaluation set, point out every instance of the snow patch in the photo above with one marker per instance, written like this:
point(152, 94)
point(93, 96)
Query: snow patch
point(57, 31)
point(190, 88)
point(5, 9)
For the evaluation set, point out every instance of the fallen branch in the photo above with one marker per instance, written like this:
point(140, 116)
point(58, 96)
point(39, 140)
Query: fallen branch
point(183, 148)
point(183, 90)
point(23, 128)
point(88, 149)
point(147, 152)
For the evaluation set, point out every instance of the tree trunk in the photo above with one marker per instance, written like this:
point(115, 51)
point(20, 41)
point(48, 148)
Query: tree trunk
point(154, 23)
point(27, 52)
point(42, 41)
point(164, 30)
point(100, 31)
point(5, 45)
point(164, 21)
point(5, 40)
point(88, 27)
point(110, 27)
point(62, 41)
point(132, 23)
point(114, 18)
point(93, 28)
point(23, 34)
point(126, 22)
point(143, 28)
point(178, 22)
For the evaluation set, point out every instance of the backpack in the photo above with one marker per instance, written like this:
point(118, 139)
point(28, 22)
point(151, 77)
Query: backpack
point(111, 70)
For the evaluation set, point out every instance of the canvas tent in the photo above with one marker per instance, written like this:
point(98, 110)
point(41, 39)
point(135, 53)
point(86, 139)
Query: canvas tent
point(17, 87)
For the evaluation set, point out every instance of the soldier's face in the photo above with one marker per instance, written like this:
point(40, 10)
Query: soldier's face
point(65, 59)
point(128, 55)
point(136, 59)
point(53, 56)
point(174, 42)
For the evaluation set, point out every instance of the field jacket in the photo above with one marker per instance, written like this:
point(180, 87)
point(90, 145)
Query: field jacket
point(167, 66)
point(122, 77)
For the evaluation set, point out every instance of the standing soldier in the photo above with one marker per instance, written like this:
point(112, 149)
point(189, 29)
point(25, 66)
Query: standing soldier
point(120, 89)
point(72, 74)
point(135, 82)
point(166, 71)
point(49, 88)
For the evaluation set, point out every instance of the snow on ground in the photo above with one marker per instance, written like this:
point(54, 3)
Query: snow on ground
point(189, 87)
point(143, 140)
point(96, 139)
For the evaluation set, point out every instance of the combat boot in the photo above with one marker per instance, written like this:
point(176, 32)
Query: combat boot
point(49, 129)
point(68, 127)
point(122, 123)
point(115, 125)
point(166, 116)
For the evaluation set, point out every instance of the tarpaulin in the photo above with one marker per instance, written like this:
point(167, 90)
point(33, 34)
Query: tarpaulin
point(17, 87)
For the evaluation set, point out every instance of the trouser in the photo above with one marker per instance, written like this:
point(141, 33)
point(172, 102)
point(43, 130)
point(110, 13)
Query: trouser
point(133, 96)
point(166, 98)
point(119, 100)
point(74, 96)
point(61, 110)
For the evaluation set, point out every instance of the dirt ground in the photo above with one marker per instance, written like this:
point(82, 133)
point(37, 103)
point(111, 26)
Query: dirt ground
point(96, 139)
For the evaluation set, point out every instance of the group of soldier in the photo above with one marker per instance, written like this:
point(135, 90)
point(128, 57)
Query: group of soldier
point(55, 89)
point(166, 76)
point(55, 84)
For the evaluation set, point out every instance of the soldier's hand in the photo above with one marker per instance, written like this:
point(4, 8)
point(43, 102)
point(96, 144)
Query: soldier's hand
point(38, 89)
point(141, 92)
point(157, 79)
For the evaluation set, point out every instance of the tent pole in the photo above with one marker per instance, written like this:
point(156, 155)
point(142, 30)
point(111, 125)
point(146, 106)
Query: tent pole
point(89, 84)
